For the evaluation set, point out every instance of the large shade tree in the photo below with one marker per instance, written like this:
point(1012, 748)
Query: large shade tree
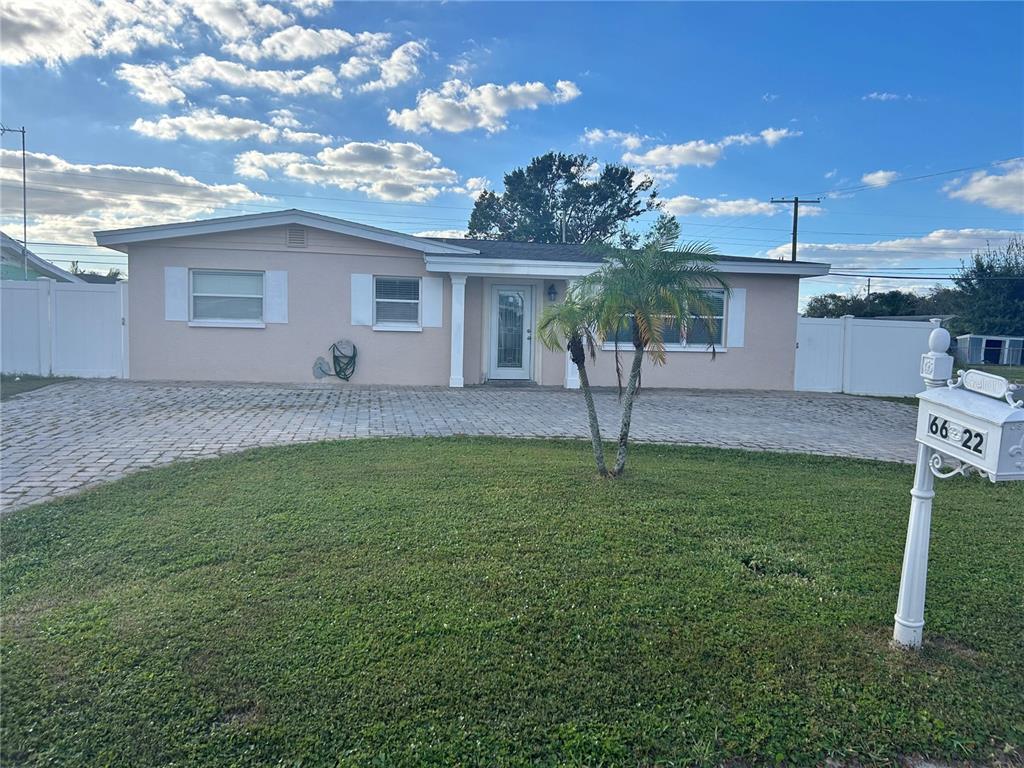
point(558, 194)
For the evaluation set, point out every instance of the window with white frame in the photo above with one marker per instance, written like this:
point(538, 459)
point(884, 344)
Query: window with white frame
point(701, 333)
point(226, 296)
point(396, 301)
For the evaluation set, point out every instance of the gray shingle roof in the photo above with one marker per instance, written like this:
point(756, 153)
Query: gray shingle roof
point(506, 249)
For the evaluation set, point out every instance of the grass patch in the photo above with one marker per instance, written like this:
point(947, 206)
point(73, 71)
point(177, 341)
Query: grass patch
point(14, 384)
point(487, 602)
point(1014, 373)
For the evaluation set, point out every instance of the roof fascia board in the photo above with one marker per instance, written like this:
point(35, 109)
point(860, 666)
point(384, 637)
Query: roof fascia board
point(545, 268)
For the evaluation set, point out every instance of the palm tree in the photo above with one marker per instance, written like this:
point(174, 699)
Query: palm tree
point(648, 290)
point(573, 321)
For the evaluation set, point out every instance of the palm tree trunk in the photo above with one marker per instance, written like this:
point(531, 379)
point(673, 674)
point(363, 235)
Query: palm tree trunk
point(627, 411)
point(595, 427)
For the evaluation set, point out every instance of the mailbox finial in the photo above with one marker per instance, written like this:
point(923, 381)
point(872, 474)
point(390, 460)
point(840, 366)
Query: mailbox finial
point(936, 364)
point(938, 340)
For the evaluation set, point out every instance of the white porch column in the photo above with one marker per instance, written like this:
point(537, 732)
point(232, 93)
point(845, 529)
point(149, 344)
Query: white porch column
point(572, 374)
point(458, 329)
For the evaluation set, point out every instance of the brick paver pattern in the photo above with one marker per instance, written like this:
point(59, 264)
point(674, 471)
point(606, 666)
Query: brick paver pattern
point(65, 437)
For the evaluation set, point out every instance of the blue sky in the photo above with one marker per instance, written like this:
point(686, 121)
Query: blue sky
point(397, 114)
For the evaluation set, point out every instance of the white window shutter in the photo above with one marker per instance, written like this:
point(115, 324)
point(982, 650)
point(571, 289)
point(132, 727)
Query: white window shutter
point(275, 296)
point(176, 293)
point(432, 301)
point(736, 319)
point(362, 299)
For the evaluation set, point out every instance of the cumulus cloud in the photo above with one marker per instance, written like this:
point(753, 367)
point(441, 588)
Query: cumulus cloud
point(457, 106)
point(626, 140)
point(298, 42)
point(400, 67)
point(70, 200)
point(210, 125)
point(473, 187)
point(55, 32)
point(382, 170)
point(688, 205)
point(941, 245)
point(1002, 191)
point(162, 83)
point(879, 178)
point(700, 152)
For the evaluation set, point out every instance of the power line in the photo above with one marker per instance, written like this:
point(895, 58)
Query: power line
point(861, 187)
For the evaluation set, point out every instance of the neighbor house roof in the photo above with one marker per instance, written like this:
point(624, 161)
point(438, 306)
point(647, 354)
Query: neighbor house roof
point(444, 254)
point(12, 255)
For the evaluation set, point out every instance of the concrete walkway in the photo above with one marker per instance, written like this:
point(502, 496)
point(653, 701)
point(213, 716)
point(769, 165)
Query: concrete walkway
point(64, 437)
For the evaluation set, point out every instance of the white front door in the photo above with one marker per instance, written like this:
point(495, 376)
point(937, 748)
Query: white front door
point(511, 355)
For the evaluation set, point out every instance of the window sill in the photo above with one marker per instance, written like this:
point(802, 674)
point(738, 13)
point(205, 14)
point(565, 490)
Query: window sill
point(399, 328)
point(608, 347)
point(226, 324)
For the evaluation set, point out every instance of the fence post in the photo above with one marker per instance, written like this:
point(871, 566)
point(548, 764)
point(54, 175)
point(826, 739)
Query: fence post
point(846, 341)
point(122, 297)
point(44, 315)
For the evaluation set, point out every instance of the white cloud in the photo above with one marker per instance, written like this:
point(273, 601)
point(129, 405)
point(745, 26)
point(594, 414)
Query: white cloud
point(631, 141)
point(297, 42)
point(831, 174)
point(1004, 192)
point(161, 83)
point(400, 67)
point(886, 96)
point(688, 205)
point(700, 152)
point(458, 106)
point(237, 19)
point(283, 118)
point(768, 98)
point(383, 170)
point(458, 234)
point(55, 32)
point(949, 245)
point(879, 178)
point(473, 187)
point(73, 199)
point(210, 125)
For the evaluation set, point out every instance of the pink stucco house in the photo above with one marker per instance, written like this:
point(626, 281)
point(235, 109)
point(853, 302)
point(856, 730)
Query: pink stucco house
point(259, 297)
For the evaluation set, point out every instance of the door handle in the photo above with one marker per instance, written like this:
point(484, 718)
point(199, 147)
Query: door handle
point(529, 334)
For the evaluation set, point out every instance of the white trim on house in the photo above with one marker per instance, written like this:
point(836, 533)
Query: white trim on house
point(114, 237)
point(574, 269)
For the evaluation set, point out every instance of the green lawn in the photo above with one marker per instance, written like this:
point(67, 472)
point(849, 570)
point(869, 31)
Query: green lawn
point(483, 602)
point(11, 384)
point(1014, 373)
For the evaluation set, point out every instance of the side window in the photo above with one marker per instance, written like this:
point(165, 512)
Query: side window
point(227, 296)
point(396, 301)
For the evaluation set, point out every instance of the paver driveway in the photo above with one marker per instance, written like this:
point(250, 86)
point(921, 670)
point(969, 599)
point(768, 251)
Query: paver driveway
point(61, 438)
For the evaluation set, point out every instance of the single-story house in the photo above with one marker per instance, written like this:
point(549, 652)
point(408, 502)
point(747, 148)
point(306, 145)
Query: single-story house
point(20, 263)
point(260, 297)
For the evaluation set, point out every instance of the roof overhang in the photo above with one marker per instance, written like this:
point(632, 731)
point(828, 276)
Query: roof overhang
point(115, 237)
point(480, 265)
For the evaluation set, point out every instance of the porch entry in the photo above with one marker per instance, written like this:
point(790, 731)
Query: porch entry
point(511, 342)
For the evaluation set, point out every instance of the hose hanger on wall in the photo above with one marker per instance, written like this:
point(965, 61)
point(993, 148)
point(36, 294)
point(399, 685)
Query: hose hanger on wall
point(343, 354)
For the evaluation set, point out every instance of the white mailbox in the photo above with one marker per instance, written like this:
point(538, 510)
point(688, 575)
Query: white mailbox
point(974, 421)
point(972, 424)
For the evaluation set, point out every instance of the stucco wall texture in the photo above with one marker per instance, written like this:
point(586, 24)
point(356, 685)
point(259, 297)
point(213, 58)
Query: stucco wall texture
point(319, 313)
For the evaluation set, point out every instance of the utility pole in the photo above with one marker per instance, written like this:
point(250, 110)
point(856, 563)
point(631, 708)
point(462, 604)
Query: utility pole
point(796, 202)
point(24, 197)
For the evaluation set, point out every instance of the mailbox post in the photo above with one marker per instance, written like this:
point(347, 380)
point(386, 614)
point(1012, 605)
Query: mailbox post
point(972, 424)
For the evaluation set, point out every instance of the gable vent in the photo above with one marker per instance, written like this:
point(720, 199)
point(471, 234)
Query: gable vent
point(296, 237)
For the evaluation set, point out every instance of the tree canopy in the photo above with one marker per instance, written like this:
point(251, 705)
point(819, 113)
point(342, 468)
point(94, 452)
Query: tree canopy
point(556, 188)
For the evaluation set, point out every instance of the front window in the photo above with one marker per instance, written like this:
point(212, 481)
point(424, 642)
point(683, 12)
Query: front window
point(699, 334)
point(223, 296)
point(396, 301)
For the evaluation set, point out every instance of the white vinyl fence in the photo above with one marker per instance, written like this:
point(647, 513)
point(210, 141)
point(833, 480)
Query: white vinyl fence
point(63, 329)
point(860, 356)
